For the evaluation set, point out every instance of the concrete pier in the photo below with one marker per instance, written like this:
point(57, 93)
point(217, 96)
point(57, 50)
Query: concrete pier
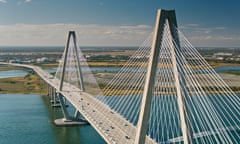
point(70, 122)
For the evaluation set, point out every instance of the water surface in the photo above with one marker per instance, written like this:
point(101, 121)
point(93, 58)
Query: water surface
point(12, 73)
point(26, 119)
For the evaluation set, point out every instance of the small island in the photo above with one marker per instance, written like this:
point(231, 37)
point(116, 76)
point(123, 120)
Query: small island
point(29, 84)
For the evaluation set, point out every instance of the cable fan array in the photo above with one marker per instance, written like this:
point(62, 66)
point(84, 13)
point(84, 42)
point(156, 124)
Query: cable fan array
point(211, 107)
point(123, 93)
point(75, 69)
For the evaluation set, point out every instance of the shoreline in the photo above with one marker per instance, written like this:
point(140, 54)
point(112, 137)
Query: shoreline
point(120, 64)
point(30, 84)
point(222, 64)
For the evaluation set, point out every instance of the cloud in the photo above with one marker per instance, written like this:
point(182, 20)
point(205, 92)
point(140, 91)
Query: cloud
point(216, 38)
point(88, 35)
point(192, 25)
point(3, 1)
point(199, 29)
point(108, 35)
point(27, 1)
point(211, 36)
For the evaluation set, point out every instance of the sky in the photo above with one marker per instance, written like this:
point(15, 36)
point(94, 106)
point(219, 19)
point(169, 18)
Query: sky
point(205, 23)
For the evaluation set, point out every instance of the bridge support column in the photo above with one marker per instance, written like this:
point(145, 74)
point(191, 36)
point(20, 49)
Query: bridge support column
point(53, 95)
point(63, 106)
point(49, 92)
point(76, 114)
point(67, 120)
point(47, 89)
point(55, 99)
point(162, 17)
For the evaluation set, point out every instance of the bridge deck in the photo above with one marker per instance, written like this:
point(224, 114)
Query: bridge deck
point(111, 126)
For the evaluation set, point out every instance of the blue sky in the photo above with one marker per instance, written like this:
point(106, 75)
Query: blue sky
point(115, 22)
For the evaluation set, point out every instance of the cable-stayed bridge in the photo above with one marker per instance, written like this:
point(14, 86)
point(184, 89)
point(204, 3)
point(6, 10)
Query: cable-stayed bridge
point(166, 93)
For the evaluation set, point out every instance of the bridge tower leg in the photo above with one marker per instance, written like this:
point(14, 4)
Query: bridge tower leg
point(55, 98)
point(67, 119)
point(162, 17)
point(79, 74)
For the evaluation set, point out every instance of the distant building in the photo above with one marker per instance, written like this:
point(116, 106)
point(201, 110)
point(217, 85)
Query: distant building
point(27, 61)
point(219, 58)
point(87, 56)
point(59, 60)
point(41, 60)
point(13, 61)
point(221, 54)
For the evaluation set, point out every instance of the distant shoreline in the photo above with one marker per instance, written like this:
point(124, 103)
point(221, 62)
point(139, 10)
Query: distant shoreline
point(30, 83)
point(120, 64)
point(222, 64)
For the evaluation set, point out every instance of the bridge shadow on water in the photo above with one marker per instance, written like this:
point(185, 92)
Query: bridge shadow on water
point(70, 135)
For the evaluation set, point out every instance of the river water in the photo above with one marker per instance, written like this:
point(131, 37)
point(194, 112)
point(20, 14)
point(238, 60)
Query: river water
point(27, 118)
point(12, 73)
point(116, 69)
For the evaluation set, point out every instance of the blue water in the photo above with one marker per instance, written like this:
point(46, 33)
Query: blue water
point(27, 119)
point(93, 69)
point(116, 69)
point(12, 73)
point(228, 68)
point(223, 107)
